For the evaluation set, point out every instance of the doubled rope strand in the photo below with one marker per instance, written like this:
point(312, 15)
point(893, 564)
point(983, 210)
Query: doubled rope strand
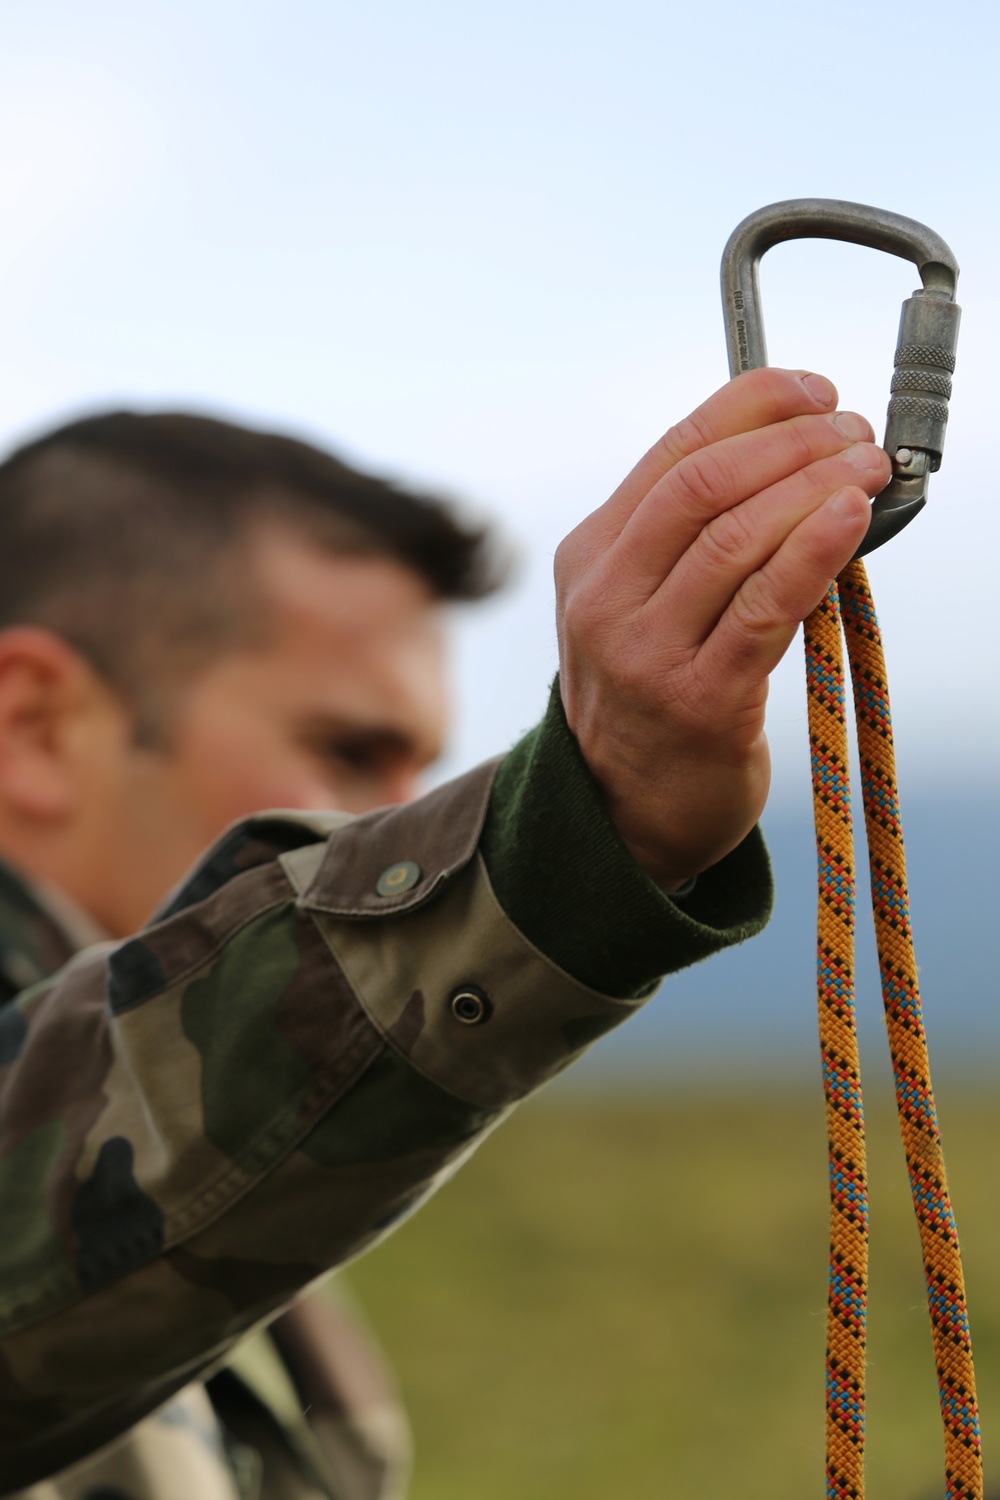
point(848, 1276)
point(848, 1283)
point(908, 1045)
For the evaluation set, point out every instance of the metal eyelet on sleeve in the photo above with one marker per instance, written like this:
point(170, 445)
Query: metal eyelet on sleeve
point(470, 1005)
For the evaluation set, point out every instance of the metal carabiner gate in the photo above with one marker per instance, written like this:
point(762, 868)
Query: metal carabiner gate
point(925, 349)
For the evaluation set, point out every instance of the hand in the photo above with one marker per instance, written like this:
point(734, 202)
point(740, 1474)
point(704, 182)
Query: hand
point(679, 596)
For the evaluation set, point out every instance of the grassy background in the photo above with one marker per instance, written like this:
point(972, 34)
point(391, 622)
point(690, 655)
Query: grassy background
point(625, 1297)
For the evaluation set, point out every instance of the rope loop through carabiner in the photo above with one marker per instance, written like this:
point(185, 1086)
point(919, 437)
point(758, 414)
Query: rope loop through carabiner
point(918, 412)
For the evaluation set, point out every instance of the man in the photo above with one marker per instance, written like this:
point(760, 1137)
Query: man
point(328, 1014)
point(145, 556)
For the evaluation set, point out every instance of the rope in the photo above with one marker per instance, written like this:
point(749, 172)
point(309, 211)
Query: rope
point(848, 1278)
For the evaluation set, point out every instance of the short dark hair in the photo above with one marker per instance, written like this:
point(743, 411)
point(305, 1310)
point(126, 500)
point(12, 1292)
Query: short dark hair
point(124, 533)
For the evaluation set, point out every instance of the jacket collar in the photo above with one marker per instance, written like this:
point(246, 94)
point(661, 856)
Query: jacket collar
point(40, 930)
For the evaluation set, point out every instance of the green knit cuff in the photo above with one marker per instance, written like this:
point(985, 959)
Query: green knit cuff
point(564, 877)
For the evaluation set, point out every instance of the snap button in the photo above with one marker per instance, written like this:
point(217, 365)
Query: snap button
point(471, 1005)
point(398, 878)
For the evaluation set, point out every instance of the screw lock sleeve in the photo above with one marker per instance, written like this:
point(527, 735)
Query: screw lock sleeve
point(921, 384)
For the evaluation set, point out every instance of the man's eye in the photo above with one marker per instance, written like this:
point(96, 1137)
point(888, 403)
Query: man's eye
point(362, 756)
point(361, 759)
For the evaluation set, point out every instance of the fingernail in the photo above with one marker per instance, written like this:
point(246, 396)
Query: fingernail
point(820, 389)
point(851, 425)
point(865, 456)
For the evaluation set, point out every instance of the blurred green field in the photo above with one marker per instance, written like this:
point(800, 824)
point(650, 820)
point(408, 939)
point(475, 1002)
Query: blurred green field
point(626, 1298)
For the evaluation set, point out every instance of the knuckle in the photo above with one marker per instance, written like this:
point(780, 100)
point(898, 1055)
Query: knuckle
point(771, 388)
point(804, 440)
point(569, 561)
point(580, 609)
point(727, 538)
point(687, 435)
point(755, 608)
point(703, 480)
point(785, 395)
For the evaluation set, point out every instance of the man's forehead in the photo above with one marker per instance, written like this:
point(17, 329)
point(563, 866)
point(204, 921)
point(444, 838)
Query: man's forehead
point(359, 591)
point(362, 636)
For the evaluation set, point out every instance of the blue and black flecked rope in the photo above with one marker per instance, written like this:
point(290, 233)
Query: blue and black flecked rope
point(848, 1282)
point(848, 1279)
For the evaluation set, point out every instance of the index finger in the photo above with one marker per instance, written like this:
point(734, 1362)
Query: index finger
point(756, 399)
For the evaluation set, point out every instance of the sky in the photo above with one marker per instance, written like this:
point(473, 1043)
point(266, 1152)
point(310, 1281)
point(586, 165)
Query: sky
point(477, 248)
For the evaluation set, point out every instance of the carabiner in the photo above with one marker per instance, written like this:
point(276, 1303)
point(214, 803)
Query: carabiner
point(925, 349)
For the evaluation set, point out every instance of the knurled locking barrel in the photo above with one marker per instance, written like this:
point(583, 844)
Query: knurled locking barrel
point(921, 384)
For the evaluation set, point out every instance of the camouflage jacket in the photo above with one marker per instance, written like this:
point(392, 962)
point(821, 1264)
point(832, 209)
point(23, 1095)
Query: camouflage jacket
point(316, 1030)
point(305, 1410)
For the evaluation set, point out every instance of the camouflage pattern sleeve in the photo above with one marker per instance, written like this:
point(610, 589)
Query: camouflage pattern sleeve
point(199, 1123)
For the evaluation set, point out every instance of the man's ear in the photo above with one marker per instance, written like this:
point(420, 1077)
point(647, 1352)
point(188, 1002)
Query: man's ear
point(50, 699)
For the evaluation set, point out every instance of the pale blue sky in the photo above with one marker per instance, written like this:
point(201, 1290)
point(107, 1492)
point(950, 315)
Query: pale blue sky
point(479, 248)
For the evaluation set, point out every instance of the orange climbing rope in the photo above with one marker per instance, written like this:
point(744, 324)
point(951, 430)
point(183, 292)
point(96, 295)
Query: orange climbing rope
point(848, 1279)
